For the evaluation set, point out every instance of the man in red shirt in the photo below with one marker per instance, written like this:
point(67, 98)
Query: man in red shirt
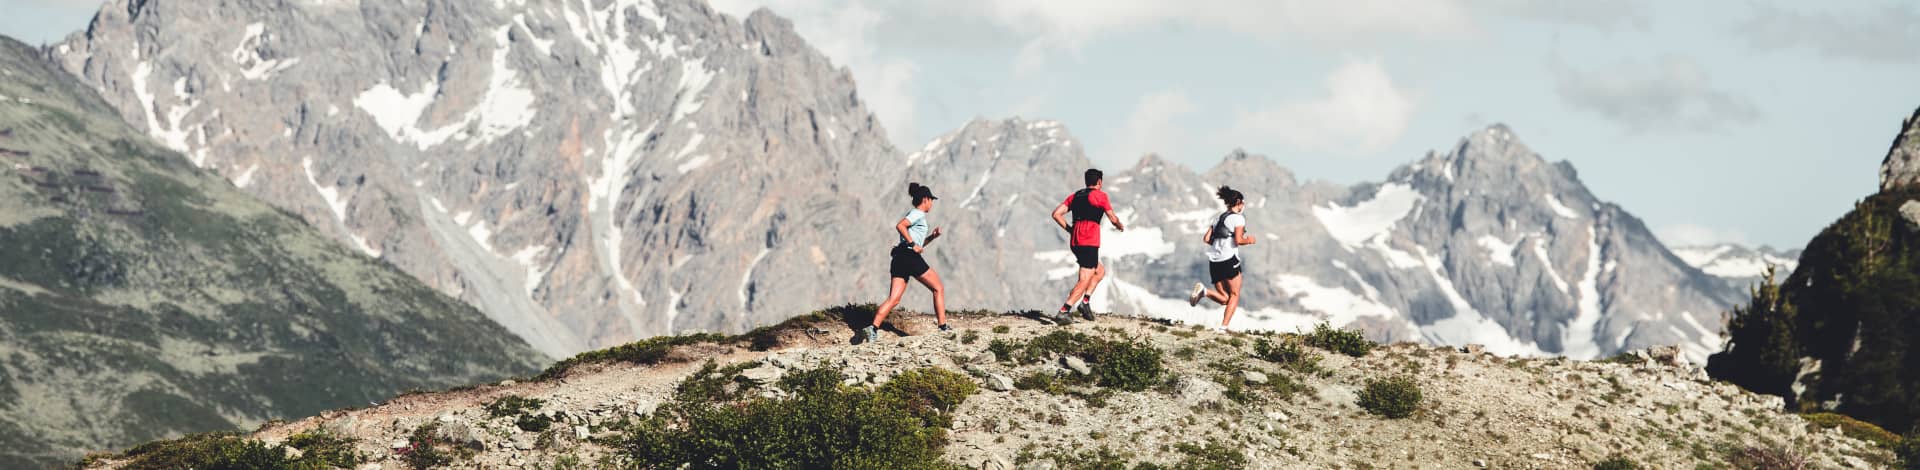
point(1087, 207)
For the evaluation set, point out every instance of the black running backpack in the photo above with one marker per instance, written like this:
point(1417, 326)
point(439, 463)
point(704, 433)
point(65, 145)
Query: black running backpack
point(1083, 208)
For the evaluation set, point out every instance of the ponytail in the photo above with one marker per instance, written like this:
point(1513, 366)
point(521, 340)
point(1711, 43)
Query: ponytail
point(1229, 196)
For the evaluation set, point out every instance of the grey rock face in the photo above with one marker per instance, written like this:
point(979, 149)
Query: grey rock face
point(586, 173)
point(1902, 166)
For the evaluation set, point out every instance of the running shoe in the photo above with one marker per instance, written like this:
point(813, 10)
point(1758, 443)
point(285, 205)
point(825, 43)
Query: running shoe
point(1086, 311)
point(946, 327)
point(871, 335)
point(1199, 291)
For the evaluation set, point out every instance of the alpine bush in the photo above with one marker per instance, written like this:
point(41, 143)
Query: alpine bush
point(821, 424)
point(1348, 342)
point(1393, 398)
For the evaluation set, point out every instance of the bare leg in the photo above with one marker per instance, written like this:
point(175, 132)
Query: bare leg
point(1233, 300)
point(894, 291)
point(1218, 293)
point(1099, 274)
point(932, 281)
point(1081, 288)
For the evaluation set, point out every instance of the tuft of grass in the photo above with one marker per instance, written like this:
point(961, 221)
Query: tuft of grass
point(1767, 458)
point(1001, 329)
point(1617, 462)
point(1348, 342)
point(1393, 398)
point(969, 336)
point(1908, 451)
point(1210, 457)
point(1287, 353)
point(645, 352)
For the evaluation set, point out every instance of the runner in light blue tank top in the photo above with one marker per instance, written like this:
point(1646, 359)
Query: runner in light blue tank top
point(907, 263)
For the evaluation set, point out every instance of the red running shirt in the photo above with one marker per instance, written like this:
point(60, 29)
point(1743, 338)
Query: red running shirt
point(1087, 232)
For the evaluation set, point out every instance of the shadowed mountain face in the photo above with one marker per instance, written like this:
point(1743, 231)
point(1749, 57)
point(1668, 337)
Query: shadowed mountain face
point(141, 297)
point(1485, 243)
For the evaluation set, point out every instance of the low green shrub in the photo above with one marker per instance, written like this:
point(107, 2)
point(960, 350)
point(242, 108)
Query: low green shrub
point(1393, 398)
point(1041, 381)
point(325, 449)
point(212, 450)
point(821, 424)
point(1348, 342)
point(320, 450)
point(1287, 353)
point(1854, 428)
point(1210, 457)
point(1908, 450)
point(424, 450)
point(512, 405)
point(1617, 462)
point(1124, 364)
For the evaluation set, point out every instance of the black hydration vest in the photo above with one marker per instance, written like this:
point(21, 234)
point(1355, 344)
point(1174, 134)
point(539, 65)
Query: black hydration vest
point(1083, 209)
point(1220, 229)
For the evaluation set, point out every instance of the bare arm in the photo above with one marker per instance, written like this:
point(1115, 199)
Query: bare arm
point(902, 228)
point(1116, 221)
point(1060, 217)
point(1241, 237)
point(935, 235)
point(1208, 238)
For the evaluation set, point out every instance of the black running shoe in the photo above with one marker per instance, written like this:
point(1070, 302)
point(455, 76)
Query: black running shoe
point(1086, 311)
point(945, 327)
point(1062, 318)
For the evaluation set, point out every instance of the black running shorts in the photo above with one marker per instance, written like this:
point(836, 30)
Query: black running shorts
point(1087, 256)
point(906, 263)
point(1223, 271)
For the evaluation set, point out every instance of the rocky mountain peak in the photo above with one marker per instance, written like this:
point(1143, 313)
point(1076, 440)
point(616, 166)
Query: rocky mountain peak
point(1902, 165)
point(1252, 169)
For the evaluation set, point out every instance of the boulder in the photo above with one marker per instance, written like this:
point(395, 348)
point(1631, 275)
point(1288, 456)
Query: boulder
point(1076, 364)
point(1254, 377)
point(999, 383)
point(460, 434)
point(762, 375)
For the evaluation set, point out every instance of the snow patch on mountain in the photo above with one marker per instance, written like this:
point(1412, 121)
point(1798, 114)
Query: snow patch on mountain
point(1353, 226)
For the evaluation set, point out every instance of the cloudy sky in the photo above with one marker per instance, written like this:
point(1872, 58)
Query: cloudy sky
point(1749, 121)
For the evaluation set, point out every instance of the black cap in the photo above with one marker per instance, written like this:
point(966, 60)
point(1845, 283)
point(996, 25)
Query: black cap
point(921, 191)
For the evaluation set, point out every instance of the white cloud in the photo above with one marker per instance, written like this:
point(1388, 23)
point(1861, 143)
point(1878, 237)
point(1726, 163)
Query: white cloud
point(1063, 26)
point(1671, 94)
point(1153, 126)
point(1685, 235)
point(844, 31)
point(1887, 35)
point(1362, 111)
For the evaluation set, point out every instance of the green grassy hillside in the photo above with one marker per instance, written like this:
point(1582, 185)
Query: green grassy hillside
point(143, 298)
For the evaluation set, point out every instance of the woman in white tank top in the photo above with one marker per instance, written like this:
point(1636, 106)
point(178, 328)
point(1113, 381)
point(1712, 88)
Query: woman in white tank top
point(1224, 239)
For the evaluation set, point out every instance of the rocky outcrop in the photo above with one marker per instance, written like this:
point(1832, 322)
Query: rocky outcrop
point(1902, 166)
point(141, 297)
